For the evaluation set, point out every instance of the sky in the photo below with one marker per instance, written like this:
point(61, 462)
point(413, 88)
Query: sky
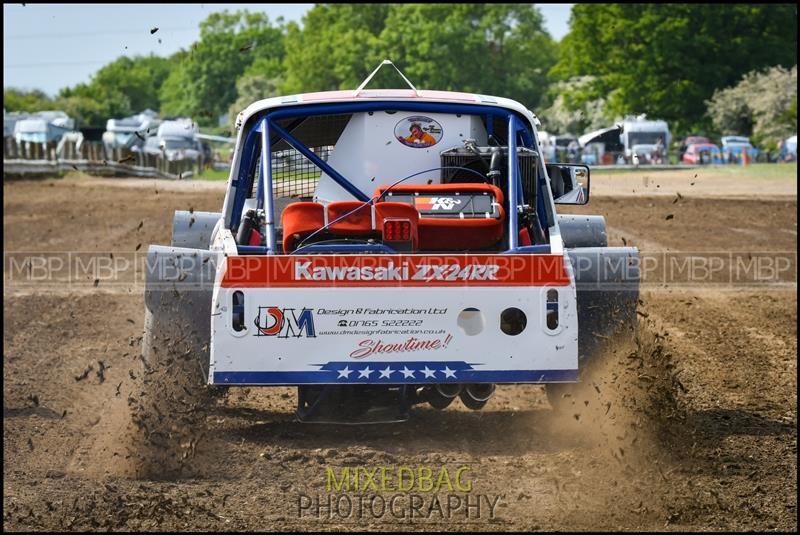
point(51, 46)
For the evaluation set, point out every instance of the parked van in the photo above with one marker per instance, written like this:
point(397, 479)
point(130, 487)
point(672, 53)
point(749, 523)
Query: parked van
point(647, 139)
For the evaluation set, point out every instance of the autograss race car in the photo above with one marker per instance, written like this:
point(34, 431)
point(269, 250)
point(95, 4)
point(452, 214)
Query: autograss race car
point(409, 252)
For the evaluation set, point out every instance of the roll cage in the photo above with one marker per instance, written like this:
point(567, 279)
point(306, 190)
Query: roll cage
point(275, 130)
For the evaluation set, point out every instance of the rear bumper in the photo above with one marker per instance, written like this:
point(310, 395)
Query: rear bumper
point(470, 319)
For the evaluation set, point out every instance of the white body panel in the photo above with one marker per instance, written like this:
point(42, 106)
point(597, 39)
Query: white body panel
point(369, 154)
point(328, 335)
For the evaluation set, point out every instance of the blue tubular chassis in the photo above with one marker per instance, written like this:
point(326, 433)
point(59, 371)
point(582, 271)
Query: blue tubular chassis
point(265, 125)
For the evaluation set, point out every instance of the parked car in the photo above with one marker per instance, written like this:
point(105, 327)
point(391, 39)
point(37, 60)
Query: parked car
point(702, 154)
point(734, 146)
point(10, 119)
point(690, 140)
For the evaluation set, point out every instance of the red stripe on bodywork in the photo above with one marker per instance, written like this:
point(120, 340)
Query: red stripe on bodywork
point(284, 271)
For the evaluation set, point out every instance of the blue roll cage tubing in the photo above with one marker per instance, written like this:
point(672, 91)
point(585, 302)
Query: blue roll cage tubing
point(267, 123)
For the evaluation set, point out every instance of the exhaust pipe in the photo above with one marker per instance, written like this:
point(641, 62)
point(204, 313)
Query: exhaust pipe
point(474, 396)
point(449, 390)
point(442, 395)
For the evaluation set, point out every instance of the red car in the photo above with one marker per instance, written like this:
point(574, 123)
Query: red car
point(690, 140)
point(702, 153)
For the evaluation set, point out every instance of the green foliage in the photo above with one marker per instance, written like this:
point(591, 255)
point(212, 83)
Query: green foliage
point(762, 105)
point(576, 108)
point(667, 59)
point(251, 88)
point(81, 104)
point(89, 111)
point(121, 88)
point(498, 49)
point(137, 78)
point(93, 105)
point(21, 100)
point(337, 46)
point(203, 85)
point(174, 93)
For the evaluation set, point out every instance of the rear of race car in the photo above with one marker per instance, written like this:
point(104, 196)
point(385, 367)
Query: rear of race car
point(379, 250)
point(413, 327)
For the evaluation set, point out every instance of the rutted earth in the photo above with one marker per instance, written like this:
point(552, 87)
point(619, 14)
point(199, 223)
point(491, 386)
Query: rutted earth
point(690, 427)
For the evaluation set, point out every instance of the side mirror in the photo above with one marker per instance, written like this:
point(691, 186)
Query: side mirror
point(569, 183)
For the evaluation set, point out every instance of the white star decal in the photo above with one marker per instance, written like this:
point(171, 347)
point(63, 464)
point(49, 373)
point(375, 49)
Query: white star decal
point(449, 373)
point(406, 372)
point(365, 372)
point(428, 373)
point(386, 373)
point(345, 372)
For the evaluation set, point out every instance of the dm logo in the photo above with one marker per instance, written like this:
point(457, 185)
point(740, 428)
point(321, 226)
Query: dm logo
point(285, 322)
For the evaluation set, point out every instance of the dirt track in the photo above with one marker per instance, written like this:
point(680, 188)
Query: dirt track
point(693, 429)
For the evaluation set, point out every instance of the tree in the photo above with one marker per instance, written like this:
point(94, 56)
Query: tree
point(174, 93)
point(21, 100)
point(204, 83)
point(336, 47)
point(252, 88)
point(575, 108)
point(121, 88)
point(137, 78)
point(496, 49)
point(667, 59)
point(762, 105)
point(93, 105)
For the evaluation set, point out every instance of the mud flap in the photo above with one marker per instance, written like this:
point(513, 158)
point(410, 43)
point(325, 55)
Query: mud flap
point(179, 285)
point(583, 231)
point(193, 229)
point(607, 284)
point(175, 352)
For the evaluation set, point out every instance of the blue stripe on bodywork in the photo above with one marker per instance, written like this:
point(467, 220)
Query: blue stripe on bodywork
point(332, 377)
